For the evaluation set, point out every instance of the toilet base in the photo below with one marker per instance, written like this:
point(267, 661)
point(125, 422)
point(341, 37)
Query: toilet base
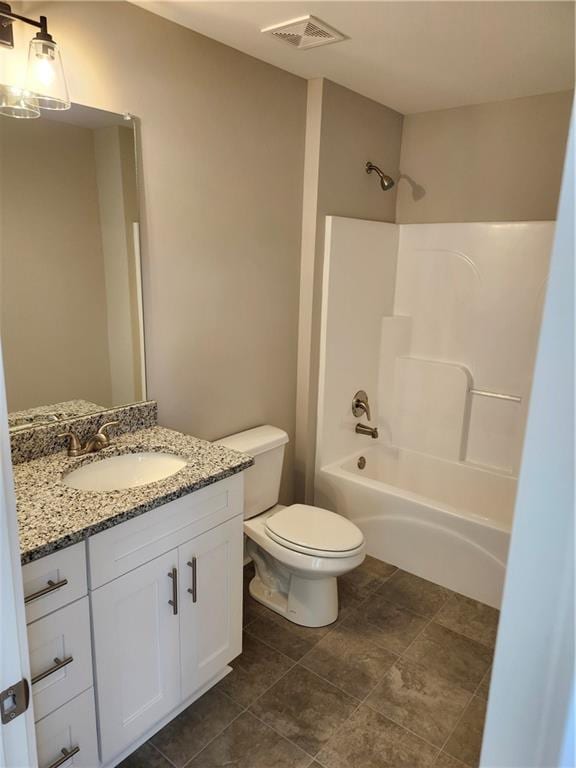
point(309, 602)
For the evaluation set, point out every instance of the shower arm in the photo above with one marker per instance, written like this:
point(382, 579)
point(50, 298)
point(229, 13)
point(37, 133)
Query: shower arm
point(386, 182)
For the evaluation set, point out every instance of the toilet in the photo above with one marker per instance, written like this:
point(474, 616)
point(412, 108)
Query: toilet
point(298, 551)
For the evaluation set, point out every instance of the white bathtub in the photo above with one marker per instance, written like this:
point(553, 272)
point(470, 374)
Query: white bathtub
point(446, 521)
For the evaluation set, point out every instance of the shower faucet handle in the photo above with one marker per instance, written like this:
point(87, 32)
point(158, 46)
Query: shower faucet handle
point(360, 406)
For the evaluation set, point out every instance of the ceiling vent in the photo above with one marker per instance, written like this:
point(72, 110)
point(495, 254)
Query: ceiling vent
point(305, 32)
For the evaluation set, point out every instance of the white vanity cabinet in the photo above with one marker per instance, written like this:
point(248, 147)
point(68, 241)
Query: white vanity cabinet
point(167, 620)
point(210, 603)
point(136, 645)
point(58, 618)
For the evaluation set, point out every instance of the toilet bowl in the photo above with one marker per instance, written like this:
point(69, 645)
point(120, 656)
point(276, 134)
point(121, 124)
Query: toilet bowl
point(299, 550)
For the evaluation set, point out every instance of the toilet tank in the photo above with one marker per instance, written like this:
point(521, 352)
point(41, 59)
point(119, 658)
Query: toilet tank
point(262, 480)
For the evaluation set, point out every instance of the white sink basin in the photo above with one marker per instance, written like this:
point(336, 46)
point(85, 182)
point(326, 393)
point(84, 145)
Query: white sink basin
point(126, 471)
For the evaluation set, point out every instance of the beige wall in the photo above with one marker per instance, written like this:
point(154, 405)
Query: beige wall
point(491, 162)
point(344, 130)
point(222, 155)
point(53, 304)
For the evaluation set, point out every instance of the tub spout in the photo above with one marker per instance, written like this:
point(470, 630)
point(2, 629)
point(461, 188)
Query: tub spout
point(364, 429)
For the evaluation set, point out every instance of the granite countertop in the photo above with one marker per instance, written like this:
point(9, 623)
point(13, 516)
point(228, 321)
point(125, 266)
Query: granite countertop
point(45, 414)
point(52, 516)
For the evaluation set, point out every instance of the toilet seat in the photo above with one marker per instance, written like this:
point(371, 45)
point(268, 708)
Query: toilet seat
point(314, 531)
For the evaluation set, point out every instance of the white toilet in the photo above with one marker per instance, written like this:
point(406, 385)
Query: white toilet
point(298, 551)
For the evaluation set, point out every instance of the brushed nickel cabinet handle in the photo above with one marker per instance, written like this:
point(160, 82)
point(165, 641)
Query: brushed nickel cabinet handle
point(50, 587)
point(58, 664)
point(174, 602)
point(66, 755)
point(193, 590)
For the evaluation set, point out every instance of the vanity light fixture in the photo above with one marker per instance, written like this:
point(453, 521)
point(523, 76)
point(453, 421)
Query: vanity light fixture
point(45, 84)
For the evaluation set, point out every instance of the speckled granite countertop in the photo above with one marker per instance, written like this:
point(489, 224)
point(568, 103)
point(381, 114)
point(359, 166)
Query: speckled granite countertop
point(52, 516)
point(45, 414)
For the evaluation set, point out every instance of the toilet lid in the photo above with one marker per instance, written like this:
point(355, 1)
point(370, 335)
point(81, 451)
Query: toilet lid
point(313, 528)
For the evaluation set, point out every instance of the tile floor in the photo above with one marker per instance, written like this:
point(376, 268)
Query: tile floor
point(399, 681)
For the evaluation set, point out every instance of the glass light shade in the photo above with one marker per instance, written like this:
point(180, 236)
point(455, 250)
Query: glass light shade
point(45, 75)
point(14, 102)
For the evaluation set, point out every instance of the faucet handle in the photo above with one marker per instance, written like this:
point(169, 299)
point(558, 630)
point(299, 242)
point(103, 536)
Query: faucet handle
point(74, 446)
point(360, 406)
point(103, 431)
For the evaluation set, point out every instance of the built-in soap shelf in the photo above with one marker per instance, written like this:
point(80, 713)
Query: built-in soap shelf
point(430, 406)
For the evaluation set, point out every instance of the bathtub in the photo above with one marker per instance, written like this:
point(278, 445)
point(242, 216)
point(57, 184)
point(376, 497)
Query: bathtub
point(448, 522)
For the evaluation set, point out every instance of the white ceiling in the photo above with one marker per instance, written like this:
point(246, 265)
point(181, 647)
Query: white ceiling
point(412, 56)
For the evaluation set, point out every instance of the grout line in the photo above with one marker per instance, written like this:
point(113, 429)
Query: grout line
point(195, 755)
point(342, 725)
point(458, 721)
point(268, 725)
point(403, 607)
point(414, 639)
point(265, 691)
point(226, 696)
point(362, 603)
point(398, 657)
point(487, 674)
point(347, 693)
point(363, 700)
point(376, 684)
point(329, 682)
point(272, 648)
point(332, 628)
point(159, 750)
point(282, 736)
point(360, 701)
point(466, 637)
point(471, 694)
point(297, 664)
point(405, 728)
point(412, 610)
point(243, 709)
point(317, 760)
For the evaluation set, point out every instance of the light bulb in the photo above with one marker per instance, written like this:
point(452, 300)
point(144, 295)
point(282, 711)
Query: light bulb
point(44, 70)
point(45, 75)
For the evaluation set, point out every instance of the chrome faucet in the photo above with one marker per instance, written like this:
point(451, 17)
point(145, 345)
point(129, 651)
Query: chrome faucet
point(93, 444)
point(364, 429)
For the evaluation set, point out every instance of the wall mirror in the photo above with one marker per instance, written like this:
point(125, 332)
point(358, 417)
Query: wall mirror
point(70, 280)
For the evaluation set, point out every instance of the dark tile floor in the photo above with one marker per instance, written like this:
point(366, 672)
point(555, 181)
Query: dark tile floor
point(399, 681)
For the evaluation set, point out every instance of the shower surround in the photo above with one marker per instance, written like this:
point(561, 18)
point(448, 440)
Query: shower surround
point(439, 324)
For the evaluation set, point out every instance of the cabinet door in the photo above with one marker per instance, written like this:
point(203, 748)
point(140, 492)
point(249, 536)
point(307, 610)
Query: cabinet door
point(211, 603)
point(136, 648)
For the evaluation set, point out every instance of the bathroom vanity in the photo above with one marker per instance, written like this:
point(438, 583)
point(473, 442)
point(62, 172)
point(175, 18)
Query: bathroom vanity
point(133, 591)
point(133, 596)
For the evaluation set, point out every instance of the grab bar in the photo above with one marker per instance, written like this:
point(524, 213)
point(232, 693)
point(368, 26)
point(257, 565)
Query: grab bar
point(497, 395)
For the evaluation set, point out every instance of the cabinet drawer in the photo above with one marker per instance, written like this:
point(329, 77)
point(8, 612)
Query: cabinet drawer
point(71, 728)
point(60, 657)
point(54, 581)
point(124, 547)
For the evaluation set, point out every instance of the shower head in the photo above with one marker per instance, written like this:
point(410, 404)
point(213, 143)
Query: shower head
point(386, 182)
